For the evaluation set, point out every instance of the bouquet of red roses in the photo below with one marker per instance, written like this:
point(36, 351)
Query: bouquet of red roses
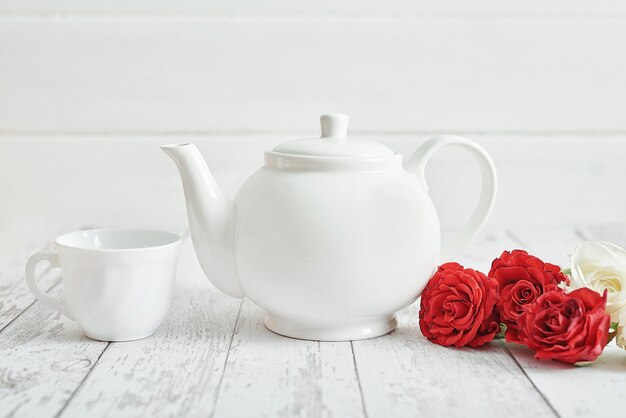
point(561, 315)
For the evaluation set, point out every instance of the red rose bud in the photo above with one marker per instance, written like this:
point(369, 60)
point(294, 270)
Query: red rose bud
point(521, 278)
point(568, 327)
point(458, 307)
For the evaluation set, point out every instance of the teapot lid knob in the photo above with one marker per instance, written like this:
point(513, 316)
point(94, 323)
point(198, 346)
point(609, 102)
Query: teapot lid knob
point(334, 143)
point(334, 125)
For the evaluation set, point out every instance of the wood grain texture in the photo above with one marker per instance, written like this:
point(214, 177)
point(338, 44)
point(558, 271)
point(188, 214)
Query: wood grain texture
point(268, 375)
point(322, 7)
point(177, 371)
point(43, 359)
point(187, 369)
point(208, 73)
point(404, 375)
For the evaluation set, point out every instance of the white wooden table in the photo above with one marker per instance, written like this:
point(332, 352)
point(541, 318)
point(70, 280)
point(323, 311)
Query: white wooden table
point(213, 357)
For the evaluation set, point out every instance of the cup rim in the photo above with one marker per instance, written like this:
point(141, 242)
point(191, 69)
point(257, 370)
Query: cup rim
point(174, 240)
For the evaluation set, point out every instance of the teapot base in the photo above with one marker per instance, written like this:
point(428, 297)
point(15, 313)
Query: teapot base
point(341, 331)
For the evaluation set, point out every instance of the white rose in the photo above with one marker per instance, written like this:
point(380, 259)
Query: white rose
point(601, 266)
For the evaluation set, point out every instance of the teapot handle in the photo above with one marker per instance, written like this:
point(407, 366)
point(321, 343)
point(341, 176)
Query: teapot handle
point(417, 165)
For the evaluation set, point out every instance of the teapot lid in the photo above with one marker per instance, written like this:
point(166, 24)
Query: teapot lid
point(334, 142)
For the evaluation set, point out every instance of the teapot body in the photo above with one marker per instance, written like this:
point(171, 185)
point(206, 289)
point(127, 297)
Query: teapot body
point(333, 254)
point(332, 236)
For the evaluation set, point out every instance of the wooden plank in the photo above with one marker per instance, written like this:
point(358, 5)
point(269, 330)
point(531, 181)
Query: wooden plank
point(177, 371)
point(43, 359)
point(590, 391)
point(204, 73)
point(322, 7)
point(268, 375)
point(15, 297)
point(403, 374)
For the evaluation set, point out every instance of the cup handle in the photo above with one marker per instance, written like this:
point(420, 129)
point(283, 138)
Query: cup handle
point(53, 259)
point(417, 165)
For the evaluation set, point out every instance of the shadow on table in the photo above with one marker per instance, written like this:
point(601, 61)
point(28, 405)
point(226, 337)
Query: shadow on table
point(613, 359)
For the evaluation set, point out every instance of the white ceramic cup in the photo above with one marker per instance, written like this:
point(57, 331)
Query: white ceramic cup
point(117, 283)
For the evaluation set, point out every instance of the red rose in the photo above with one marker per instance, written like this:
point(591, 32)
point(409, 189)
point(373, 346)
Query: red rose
point(458, 307)
point(521, 278)
point(568, 327)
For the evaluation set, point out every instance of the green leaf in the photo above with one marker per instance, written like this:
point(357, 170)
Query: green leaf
point(566, 271)
point(500, 335)
point(612, 332)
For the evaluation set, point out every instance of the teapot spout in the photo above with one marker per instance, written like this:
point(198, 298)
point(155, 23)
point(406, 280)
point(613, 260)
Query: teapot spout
point(211, 218)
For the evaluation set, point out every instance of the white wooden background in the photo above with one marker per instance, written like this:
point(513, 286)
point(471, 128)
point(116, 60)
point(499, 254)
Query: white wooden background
point(89, 90)
point(96, 86)
point(396, 66)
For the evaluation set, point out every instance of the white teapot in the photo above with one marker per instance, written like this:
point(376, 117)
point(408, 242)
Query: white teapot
point(331, 236)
